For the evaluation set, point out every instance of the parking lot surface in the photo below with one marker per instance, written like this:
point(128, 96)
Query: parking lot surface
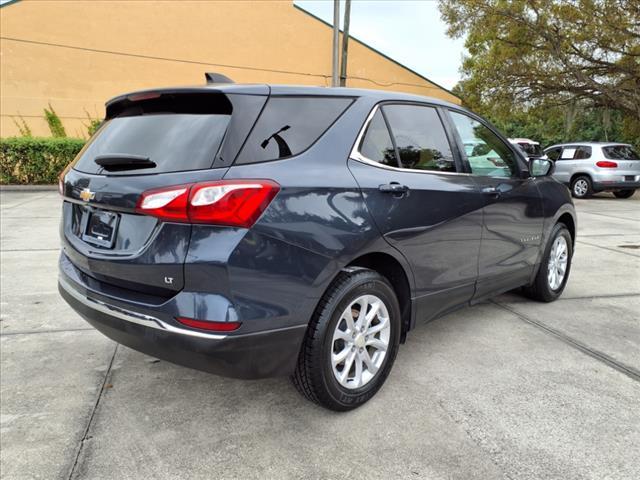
point(509, 389)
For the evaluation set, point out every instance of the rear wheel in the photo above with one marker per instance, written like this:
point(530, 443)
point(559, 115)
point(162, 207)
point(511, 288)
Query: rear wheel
point(581, 187)
point(556, 263)
point(351, 342)
point(624, 193)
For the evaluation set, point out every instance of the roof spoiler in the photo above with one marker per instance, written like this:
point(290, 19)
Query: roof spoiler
point(213, 77)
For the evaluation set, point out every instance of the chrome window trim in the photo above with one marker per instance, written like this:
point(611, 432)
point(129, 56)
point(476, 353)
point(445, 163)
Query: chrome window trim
point(356, 155)
point(133, 317)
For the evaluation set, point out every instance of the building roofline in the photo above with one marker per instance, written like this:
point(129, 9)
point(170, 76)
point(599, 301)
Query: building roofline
point(10, 2)
point(366, 45)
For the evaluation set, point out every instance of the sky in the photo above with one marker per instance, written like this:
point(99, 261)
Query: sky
point(409, 31)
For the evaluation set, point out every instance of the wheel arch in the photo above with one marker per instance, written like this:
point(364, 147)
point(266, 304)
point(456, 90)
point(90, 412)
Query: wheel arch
point(580, 174)
point(567, 219)
point(392, 269)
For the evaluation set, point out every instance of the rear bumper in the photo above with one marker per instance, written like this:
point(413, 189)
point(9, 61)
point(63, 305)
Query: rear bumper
point(262, 354)
point(614, 185)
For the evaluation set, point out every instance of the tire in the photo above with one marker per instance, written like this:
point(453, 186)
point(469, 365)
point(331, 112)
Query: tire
point(543, 289)
point(315, 376)
point(581, 187)
point(624, 193)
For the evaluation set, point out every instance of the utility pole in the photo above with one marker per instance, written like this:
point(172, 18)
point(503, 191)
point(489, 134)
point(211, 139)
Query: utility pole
point(336, 40)
point(345, 43)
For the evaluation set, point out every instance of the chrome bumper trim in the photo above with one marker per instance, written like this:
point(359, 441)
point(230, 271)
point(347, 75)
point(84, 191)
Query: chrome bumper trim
point(133, 317)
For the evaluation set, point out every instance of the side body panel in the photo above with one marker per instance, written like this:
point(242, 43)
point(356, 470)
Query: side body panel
point(511, 236)
point(436, 225)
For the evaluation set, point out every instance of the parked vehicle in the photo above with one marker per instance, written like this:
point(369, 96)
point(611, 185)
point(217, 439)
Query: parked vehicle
point(254, 231)
point(591, 167)
point(531, 148)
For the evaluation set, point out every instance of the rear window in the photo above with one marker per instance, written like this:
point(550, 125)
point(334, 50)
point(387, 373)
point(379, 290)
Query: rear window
point(289, 125)
point(174, 142)
point(620, 152)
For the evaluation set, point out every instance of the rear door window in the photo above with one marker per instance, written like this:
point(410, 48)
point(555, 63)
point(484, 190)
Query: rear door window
point(582, 153)
point(376, 144)
point(289, 125)
point(173, 142)
point(576, 153)
point(420, 138)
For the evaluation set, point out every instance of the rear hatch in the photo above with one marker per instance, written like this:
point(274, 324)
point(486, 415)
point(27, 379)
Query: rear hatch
point(624, 159)
point(149, 140)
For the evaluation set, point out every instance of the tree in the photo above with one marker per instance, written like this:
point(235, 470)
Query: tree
point(577, 54)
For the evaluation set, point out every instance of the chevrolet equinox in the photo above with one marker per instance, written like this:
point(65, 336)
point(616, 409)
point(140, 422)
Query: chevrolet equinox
point(254, 231)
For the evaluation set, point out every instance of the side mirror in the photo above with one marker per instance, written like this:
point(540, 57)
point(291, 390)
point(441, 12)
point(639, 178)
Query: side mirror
point(541, 167)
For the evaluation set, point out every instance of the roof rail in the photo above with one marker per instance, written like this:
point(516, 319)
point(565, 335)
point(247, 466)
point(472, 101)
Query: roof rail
point(213, 77)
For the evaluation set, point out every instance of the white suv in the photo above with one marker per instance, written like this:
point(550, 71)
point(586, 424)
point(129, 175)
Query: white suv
point(592, 167)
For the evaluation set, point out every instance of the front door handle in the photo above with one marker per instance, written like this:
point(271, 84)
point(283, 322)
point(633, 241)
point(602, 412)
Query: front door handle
point(497, 190)
point(393, 187)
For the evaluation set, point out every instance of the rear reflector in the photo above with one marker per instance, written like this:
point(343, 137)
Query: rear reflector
point(606, 164)
point(210, 325)
point(237, 203)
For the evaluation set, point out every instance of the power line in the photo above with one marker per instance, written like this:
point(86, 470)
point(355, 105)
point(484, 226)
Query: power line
point(198, 62)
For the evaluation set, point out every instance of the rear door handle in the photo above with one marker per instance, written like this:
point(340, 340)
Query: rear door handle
point(491, 191)
point(393, 187)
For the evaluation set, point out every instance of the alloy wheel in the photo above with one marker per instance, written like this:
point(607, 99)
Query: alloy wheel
point(558, 260)
point(360, 341)
point(580, 188)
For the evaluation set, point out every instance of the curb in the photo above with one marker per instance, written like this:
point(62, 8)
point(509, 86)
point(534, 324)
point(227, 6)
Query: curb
point(28, 188)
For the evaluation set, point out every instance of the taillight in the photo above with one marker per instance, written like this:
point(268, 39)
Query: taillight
point(61, 178)
point(166, 203)
point(606, 164)
point(236, 203)
point(210, 325)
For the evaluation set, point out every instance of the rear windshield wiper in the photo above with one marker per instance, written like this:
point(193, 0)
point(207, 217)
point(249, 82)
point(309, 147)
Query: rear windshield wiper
point(115, 162)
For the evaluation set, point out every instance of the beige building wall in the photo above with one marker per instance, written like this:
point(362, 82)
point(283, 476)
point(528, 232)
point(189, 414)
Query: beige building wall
point(78, 54)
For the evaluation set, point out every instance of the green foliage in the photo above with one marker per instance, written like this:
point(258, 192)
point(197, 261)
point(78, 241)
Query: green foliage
point(93, 125)
point(54, 123)
point(560, 69)
point(23, 128)
point(32, 160)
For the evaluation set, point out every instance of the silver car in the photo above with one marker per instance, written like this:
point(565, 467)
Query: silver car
point(592, 167)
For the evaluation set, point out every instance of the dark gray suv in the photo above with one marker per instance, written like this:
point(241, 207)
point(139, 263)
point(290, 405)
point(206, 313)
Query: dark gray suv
point(253, 230)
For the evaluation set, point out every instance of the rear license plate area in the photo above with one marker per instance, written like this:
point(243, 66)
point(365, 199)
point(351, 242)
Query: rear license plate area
point(99, 228)
point(629, 178)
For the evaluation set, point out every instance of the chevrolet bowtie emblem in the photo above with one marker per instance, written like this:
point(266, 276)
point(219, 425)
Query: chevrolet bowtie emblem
point(87, 194)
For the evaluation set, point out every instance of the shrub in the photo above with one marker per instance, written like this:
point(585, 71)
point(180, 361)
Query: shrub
point(32, 160)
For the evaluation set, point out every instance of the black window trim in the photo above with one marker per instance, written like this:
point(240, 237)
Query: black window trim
point(519, 155)
point(355, 151)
